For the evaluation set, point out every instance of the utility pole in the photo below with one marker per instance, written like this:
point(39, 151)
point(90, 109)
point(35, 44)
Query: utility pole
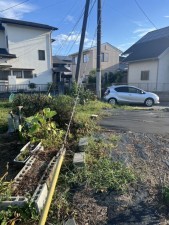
point(98, 66)
point(82, 39)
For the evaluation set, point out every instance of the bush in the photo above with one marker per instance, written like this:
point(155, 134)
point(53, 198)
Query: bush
point(32, 104)
point(63, 105)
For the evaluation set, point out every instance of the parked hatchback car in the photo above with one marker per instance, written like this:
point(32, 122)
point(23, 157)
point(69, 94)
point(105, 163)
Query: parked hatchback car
point(130, 94)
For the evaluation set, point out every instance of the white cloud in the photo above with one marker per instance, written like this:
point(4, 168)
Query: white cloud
point(140, 32)
point(69, 18)
point(125, 46)
point(16, 12)
point(64, 40)
point(166, 16)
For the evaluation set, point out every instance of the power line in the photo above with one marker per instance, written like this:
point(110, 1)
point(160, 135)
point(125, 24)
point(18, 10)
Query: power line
point(145, 14)
point(14, 6)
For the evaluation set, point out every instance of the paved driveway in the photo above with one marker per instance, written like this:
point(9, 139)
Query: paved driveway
point(146, 121)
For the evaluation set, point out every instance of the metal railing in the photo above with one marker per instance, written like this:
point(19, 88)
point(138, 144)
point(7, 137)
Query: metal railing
point(23, 88)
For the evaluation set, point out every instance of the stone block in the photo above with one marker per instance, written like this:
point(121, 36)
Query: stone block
point(79, 159)
point(83, 143)
point(70, 222)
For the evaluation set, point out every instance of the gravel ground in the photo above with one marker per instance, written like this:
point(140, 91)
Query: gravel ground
point(148, 155)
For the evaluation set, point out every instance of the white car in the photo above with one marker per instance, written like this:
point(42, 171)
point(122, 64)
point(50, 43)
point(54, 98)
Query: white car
point(130, 94)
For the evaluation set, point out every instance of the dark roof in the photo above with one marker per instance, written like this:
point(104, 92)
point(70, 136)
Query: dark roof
point(61, 60)
point(61, 69)
point(5, 54)
point(152, 45)
point(26, 23)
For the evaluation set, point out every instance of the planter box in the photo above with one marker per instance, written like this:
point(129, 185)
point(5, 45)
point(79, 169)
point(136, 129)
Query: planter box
point(30, 148)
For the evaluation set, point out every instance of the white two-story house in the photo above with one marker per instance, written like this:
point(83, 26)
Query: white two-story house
point(25, 52)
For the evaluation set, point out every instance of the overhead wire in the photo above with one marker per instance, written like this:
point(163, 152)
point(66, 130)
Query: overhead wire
point(14, 6)
point(141, 9)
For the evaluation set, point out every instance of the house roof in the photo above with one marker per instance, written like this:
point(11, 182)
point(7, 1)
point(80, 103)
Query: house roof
point(26, 23)
point(61, 59)
point(89, 49)
point(151, 46)
point(61, 69)
point(5, 54)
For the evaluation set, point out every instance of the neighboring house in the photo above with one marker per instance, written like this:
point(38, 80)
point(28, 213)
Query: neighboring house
point(109, 60)
point(148, 61)
point(25, 52)
point(61, 69)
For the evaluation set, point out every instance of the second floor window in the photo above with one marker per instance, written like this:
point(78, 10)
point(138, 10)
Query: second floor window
point(104, 57)
point(17, 73)
point(85, 58)
point(41, 54)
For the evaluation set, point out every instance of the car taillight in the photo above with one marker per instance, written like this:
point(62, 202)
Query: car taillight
point(107, 92)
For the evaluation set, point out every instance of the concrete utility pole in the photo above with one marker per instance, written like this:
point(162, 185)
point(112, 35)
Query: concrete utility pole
point(82, 39)
point(98, 67)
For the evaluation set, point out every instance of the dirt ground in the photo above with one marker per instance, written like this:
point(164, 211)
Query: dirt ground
point(9, 149)
point(148, 155)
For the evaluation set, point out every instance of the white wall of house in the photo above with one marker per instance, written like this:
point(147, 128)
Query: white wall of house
point(163, 72)
point(134, 74)
point(24, 42)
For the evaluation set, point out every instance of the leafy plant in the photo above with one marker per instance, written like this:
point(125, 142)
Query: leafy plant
point(5, 188)
point(32, 85)
point(25, 215)
point(166, 195)
point(23, 155)
point(41, 128)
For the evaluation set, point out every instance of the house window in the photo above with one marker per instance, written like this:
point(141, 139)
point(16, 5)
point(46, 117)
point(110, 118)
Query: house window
point(17, 73)
point(75, 60)
point(104, 57)
point(4, 74)
point(28, 74)
point(85, 58)
point(41, 54)
point(145, 75)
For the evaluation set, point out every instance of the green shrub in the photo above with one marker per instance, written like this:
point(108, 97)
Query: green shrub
point(63, 105)
point(31, 103)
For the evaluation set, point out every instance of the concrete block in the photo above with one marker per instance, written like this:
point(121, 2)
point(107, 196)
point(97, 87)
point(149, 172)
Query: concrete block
point(13, 201)
point(39, 197)
point(79, 159)
point(83, 143)
point(70, 222)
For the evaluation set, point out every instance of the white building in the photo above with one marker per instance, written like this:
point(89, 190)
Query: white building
point(25, 52)
point(148, 61)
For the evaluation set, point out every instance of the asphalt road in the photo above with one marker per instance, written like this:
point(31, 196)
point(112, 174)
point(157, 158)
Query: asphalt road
point(144, 121)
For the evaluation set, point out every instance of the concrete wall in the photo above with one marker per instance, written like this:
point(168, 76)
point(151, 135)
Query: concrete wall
point(25, 43)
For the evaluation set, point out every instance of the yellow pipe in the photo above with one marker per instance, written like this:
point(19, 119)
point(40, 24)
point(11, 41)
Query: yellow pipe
point(51, 190)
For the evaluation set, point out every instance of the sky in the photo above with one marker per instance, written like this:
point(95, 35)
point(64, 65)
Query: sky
point(123, 21)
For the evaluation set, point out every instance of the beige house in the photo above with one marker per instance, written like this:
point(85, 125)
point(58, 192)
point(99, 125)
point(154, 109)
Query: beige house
point(148, 61)
point(109, 60)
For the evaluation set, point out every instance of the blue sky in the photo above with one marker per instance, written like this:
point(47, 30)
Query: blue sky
point(123, 23)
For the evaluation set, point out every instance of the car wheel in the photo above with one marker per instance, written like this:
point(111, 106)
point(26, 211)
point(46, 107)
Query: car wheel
point(149, 102)
point(112, 101)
